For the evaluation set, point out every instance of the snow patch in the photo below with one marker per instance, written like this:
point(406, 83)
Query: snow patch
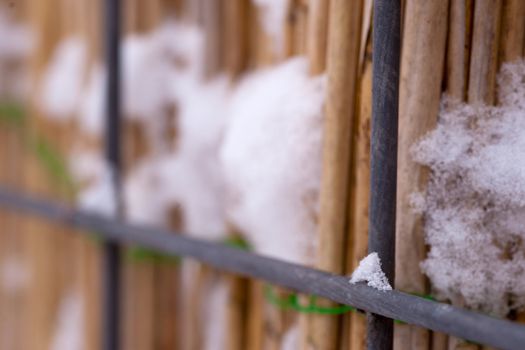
point(16, 44)
point(14, 275)
point(16, 39)
point(195, 179)
point(99, 196)
point(91, 110)
point(474, 205)
point(271, 156)
point(69, 331)
point(369, 270)
point(291, 339)
point(64, 78)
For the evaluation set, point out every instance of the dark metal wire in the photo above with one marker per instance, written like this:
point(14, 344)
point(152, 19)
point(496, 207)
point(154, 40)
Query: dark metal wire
point(445, 318)
point(111, 258)
point(383, 154)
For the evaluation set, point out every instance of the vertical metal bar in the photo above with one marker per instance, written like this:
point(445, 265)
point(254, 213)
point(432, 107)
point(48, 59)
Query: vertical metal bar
point(111, 263)
point(385, 91)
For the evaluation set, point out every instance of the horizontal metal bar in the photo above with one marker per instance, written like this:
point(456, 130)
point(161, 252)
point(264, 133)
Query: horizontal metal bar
point(408, 308)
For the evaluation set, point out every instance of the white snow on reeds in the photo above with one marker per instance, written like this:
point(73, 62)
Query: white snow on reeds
point(474, 206)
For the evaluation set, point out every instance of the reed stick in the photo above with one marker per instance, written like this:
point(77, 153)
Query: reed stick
point(266, 323)
point(344, 36)
point(288, 40)
point(439, 341)
point(236, 317)
point(255, 315)
point(139, 277)
point(355, 323)
point(236, 36)
point(5, 338)
point(265, 48)
point(422, 62)
point(213, 24)
point(174, 8)
point(138, 313)
point(460, 344)
point(47, 244)
point(142, 16)
point(457, 80)
point(365, 30)
point(194, 302)
point(512, 36)
point(236, 314)
point(484, 57)
point(13, 296)
point(294, 31)
point(311, 36)
point(299, 29)
point(317, 34)
point(482, 75)
point(273, 327)
point(227, 37)
point(227, 33)
point(89, 255)
point(83, 20)
point(458, 50)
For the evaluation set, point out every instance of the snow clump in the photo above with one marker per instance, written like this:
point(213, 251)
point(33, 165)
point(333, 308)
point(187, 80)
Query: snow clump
point(369, 270)
point(474, 205)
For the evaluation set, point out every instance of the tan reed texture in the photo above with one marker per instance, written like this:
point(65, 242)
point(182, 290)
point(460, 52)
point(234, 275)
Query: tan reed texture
point(483, 68)
point(48, 245)
point(484, 56)
point(422, 62)
point(13, 255)
point(458, 47)
point(317, 35)
point(344, 34)
point(512, 35)
point(236, 36)
point(150, 288)
point(457, 80)
point(354, 326)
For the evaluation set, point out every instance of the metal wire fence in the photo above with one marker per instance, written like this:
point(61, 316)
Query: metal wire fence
point(393, 304)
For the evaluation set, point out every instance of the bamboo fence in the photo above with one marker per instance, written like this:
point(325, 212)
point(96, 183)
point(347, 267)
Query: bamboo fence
point(454, 47)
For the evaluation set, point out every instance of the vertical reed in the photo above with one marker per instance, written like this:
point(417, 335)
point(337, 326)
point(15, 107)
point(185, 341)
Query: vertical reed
point(458, 47)
point(317, 35)
point(354, 335)
point(342, 62)
point(482, 73)
point(236, 36)
point(484, 56)
point(144, 302)
point(422, 64)
point(512, 36)
point(457, 79)
point(46, 243)
point(236, 40)
point(267, 323)
point(13, 292)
